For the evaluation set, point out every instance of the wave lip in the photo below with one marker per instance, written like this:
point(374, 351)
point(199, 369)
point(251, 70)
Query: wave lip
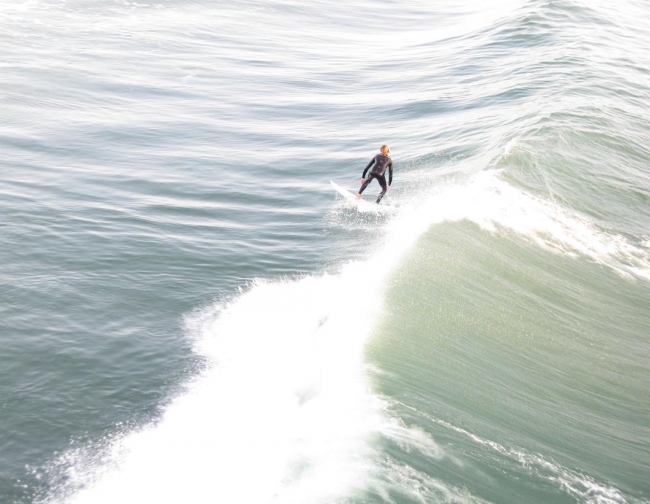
point(498, 207)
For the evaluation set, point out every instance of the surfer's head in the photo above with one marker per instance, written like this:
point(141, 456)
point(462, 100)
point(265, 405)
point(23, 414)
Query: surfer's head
point(385, 150)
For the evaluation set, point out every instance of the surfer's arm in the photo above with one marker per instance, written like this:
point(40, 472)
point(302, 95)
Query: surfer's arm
point(390, 174)
point(367, 168)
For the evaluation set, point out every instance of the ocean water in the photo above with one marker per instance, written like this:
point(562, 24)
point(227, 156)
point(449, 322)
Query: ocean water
point(190, 313)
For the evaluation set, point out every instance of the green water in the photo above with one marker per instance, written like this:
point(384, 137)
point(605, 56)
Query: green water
point(529, 352)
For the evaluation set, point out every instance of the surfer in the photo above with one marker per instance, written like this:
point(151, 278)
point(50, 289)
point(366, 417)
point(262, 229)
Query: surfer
point(379, 164)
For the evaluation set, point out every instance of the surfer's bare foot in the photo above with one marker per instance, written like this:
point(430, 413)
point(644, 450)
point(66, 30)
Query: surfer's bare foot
point(358, 196)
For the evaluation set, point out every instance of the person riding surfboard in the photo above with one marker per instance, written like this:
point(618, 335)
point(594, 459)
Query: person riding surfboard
point(379, 163)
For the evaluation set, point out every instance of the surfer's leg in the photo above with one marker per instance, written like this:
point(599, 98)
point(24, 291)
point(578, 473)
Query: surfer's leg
point(365, 184)
point(382, 181)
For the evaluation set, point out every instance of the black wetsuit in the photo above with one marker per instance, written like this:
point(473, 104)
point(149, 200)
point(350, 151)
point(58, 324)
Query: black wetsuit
point(380, 162)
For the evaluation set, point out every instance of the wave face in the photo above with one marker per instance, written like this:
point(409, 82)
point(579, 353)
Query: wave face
point(193, 315)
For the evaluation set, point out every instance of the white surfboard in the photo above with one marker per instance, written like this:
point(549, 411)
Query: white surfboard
point(363, 206)
point(346, 194)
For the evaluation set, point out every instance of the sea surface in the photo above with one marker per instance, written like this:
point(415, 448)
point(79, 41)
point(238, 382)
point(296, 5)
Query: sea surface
point(189, 313)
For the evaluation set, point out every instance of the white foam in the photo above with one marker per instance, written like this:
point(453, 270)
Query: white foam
point(392, 479)
point(510, 147)
point(411, 439)
point(497, 206)
point(282, 415)
point(578, 485)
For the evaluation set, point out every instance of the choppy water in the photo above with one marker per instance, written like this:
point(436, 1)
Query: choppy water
point(191, 314)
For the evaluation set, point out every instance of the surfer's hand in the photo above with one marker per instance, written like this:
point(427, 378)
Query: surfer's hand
point(363, 180)
point(388, 189)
